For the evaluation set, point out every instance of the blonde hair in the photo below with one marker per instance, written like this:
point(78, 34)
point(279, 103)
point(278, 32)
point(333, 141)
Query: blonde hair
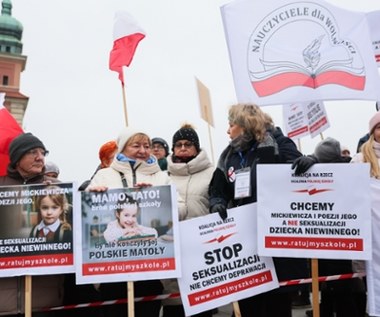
point(370, 157)
point(249, 117)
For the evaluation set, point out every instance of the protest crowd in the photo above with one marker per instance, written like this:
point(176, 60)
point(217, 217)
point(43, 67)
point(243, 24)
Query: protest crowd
point(160, 230)
point(201, 189)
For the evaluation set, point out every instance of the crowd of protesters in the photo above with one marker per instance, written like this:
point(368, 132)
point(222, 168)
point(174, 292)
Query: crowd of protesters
point(133, 159)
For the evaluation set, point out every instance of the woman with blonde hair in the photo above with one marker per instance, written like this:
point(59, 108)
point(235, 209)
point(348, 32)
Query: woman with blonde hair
point(251, 144)
point(370, 150)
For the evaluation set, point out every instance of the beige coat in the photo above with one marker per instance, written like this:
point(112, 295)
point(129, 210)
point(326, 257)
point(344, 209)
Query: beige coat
point(192, 180)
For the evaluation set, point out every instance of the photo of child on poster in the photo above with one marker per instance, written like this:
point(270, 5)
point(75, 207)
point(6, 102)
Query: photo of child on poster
point(53, 209)
point(128, 231)
point(125, 227)
point(36, 229)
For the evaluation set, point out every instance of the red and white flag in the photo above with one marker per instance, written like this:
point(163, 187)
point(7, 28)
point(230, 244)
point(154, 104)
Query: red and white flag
point(374, 28)
point(126, 35)
point(285, 51)
point(9, 129)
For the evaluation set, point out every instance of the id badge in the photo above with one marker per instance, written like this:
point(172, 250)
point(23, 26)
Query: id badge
point(243, 183)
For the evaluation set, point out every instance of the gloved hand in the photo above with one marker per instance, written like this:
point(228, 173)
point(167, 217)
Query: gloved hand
point(303, 163)
point(220, 209)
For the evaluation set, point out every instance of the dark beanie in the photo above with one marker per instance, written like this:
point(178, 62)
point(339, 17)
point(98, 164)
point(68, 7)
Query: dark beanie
point(186, 133)
point(22, 144)
point(328, 151)
point(163, 143)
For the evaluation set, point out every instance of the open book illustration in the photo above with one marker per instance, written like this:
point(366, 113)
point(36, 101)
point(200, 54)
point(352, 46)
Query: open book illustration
point(279, 75)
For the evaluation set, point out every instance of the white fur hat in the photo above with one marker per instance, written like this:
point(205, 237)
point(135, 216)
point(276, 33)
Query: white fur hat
point(124, 136)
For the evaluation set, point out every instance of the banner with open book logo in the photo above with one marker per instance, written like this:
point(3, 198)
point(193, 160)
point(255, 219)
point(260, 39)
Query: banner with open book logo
point(285, 52)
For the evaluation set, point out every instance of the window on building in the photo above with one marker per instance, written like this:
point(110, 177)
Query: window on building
point(8, 49)
point(5, 80)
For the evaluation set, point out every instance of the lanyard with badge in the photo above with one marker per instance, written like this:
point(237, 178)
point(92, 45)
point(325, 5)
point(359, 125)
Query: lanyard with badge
point(243, 186)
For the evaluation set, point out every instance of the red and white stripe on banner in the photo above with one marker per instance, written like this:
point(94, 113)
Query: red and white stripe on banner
point(176, 295)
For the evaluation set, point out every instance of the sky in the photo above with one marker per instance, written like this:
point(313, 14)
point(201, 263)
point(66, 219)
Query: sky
point(76, 102)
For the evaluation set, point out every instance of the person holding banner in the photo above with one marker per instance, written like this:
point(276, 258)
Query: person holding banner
point(370, 153)
point(190, 170)
point(133, 166)
point(234, 184)
point(341, 298)
point(27, 160)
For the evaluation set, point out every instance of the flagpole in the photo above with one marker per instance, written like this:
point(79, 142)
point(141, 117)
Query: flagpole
point(124, 104)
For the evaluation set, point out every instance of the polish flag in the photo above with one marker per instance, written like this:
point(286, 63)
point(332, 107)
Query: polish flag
point(9, 129)
point(126, 35)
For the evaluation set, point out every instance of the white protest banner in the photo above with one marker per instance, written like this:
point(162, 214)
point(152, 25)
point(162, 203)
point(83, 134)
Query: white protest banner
point(297, 51)
point(317, 117)
point(295, 123)
point(316, 214)
point(374, 28)
point(35, 240)
point(373, 266)
point(220, 264)
point(127, 234)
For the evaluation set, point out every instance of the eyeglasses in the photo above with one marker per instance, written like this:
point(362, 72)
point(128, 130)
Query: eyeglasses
point(157, 147)
point(187, 145)
point(37, 152)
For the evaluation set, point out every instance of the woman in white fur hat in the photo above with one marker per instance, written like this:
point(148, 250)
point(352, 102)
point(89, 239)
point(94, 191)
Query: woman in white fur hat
point(133, 166)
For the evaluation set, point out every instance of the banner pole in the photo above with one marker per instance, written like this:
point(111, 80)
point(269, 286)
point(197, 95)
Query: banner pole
point(299, 145)
point(131, 300)
point(315, 287)
point(236, 307)
point(211, 145)
point(124, 104)
point(28, 296)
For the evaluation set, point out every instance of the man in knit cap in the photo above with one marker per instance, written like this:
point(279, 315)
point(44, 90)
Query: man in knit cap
point(27, 164)
point(27, 161)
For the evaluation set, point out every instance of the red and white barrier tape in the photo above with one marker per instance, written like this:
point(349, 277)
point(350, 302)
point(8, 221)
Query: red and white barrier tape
point(176, 295)
point(322, 279)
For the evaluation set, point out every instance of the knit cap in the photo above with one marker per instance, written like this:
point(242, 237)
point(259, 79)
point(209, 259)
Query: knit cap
point(186, 132)
point(163, 143)
point(374, 121)
point(124, 136)
point(51, 167)
point(328, 151)
point(22, 144)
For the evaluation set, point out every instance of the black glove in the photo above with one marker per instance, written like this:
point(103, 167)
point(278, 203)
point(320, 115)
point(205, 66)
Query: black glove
point(220, 209)
point(303, 163)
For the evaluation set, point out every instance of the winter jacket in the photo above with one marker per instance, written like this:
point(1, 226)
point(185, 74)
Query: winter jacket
point(141, 172)
point(288, 151)
point(236, 156)
point(47, 290)
point(239, 155)
point(192, 180)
